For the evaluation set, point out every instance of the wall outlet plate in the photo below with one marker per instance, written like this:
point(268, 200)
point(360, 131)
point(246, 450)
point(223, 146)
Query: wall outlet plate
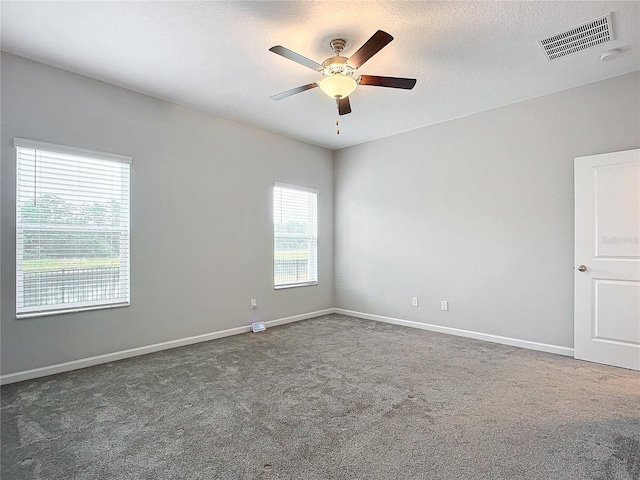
point(258, 326)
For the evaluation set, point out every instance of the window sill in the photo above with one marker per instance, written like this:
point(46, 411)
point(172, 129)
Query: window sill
point(295, 285)
point(20, 316)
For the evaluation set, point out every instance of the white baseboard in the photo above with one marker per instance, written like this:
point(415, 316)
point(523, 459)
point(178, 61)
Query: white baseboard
point(134, 352)
point(514, 342)
point(156, 347)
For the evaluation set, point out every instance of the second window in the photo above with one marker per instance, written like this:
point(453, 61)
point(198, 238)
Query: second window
point(295, 236)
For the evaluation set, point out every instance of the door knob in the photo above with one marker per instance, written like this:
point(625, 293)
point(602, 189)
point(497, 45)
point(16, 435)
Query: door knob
point(582, 268)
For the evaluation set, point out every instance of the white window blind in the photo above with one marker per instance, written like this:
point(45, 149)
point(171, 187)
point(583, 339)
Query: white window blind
point(72, 235)
point(295, 236)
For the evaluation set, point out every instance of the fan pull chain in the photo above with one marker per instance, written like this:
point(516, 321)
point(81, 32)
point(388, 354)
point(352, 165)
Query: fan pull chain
point(338, 128)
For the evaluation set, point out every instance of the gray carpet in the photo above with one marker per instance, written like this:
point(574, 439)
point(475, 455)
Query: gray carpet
point(328, 398)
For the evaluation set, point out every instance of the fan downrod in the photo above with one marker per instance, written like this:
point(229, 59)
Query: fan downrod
point(337, 45)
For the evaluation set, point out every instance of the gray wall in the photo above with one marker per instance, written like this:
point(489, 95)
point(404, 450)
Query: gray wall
point(477, 211)
point(201, 224)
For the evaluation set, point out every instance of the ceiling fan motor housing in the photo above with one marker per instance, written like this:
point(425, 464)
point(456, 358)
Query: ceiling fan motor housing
point(337, 66)
point(338, 82)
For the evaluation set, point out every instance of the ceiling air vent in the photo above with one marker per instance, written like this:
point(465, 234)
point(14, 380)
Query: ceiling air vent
point(578, 38)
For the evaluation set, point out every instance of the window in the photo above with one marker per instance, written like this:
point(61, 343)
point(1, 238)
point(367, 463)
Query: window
point(72, 229)
point(295, 236)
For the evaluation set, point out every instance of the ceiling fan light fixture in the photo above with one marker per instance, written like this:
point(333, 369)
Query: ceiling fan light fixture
point(338, 86)
point(339, 71)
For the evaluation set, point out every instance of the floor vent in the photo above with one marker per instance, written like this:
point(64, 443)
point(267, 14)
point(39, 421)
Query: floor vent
point(578, 38)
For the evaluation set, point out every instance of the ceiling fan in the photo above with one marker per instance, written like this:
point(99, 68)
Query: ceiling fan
point(338, 71)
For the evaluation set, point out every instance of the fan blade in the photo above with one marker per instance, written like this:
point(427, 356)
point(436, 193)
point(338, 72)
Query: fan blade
point(296, 57)
point(372, 46)
point(393, 82)
point(344, 106)
point(293, 91)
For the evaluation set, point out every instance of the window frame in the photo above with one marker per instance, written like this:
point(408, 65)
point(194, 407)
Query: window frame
point(124, 271)
point(315, 269)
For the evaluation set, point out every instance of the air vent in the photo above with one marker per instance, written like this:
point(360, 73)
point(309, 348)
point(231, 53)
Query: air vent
point(578, 38)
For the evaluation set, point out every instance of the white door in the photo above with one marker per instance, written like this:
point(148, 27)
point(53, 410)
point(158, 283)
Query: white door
point(607, 259)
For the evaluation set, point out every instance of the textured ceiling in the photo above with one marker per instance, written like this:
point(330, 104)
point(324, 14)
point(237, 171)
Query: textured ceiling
point(213, 56)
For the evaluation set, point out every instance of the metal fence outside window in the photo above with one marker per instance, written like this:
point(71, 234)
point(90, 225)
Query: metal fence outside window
point(291, 271)
point(71, 285)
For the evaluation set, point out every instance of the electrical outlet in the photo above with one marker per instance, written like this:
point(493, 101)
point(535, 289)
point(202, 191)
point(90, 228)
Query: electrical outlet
point(444, 305)
point(414, 301)
point(254, 303)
